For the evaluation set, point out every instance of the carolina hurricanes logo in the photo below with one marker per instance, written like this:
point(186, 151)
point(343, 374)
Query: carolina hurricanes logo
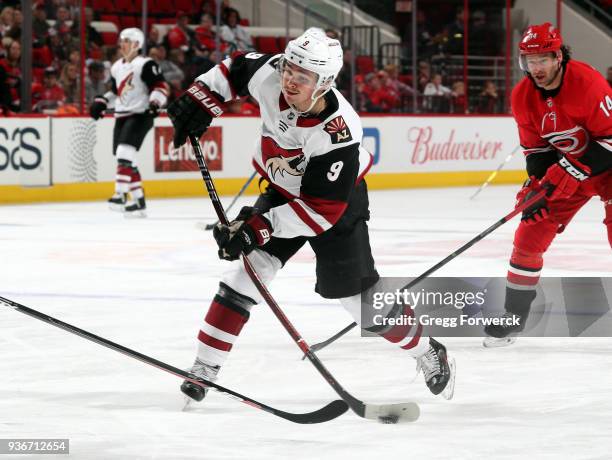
point(573, 141)
point(278, 160)
point(125, 86)
point(338, 130)
point(530, 36)
point(549, 118)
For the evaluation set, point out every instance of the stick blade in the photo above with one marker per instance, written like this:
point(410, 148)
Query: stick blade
point(333, 410)
point(393, 413)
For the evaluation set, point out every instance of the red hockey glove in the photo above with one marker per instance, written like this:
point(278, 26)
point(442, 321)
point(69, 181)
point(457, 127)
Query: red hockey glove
point(193, 111)
point(538, 211)
point(248, 231)
point(563, 179)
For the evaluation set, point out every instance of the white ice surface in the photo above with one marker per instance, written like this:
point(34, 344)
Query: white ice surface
point(147, 283)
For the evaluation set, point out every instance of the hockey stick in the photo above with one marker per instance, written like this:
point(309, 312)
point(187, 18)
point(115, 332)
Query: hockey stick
point(385, 413)
point(240, 192)
point(333, 338)
point(329, 412)
point(444, 261)
point(494, 173)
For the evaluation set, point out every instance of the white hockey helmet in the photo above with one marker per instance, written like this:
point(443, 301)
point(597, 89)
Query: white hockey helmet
point(318, 53)
point(315, 31)
point(134, 35)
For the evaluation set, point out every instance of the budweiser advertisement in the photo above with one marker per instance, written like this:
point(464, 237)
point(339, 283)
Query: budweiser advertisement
point(170, 159)
point(429, 144)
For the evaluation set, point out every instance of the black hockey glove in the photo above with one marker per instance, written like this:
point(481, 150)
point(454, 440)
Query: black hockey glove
point(538, 211)
point(97, 108)
point(193, 111)
point(153, 109)
point(248, 231)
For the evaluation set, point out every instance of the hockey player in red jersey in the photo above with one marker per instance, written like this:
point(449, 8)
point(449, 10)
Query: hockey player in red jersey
point(310, 152)
point(563, 109)
point(138, 92)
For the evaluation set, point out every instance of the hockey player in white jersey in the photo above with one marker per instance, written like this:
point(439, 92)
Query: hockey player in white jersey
point(310, 153)
point(138, 92)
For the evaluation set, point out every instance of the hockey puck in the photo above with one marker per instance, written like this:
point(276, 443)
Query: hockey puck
point(388, 419)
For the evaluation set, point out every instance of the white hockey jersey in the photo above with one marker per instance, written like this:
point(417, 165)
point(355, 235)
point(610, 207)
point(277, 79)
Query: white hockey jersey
point(135, 84)
point(315, 161)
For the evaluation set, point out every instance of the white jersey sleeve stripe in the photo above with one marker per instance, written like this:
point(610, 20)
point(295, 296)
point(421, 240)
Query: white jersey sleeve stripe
point(287, 223)
point(319, 219)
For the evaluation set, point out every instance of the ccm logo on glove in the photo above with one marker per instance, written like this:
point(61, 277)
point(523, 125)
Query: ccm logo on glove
point(572, 170)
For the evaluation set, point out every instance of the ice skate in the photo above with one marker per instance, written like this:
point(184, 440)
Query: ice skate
point(117, 202)
point(494, 342)
point(505, 334)
point(438, 370)
point(195, 392)
point(136, 209)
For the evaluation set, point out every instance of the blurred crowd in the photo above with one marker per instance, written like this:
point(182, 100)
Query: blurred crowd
point(187, 46)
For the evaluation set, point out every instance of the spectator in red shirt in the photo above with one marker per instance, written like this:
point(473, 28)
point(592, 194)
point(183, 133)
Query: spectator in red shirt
point(204, 33)
point(458, 98)
point(391, 80)
point(51, 95)
point(380, 98)
point(180, 35)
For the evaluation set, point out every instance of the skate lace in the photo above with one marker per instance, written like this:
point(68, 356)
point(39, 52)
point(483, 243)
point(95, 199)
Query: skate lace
point(429, 364)
point(204, 370)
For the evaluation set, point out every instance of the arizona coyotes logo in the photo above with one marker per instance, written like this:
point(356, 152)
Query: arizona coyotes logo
point(284, 165)
point(278, 160)
point(125, 86)
point(573, 141)
point(338, 130)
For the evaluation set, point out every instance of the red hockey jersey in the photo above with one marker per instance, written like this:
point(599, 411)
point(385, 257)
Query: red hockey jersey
point(574, 120)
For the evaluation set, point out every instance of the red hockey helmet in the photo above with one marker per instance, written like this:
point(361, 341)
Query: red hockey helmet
point(538, 39)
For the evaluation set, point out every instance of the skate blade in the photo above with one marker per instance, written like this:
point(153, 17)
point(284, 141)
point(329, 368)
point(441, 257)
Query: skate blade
point(116, 207)
point(449, 390)
point(493, 342)
point(135, 215)
point(188, 404)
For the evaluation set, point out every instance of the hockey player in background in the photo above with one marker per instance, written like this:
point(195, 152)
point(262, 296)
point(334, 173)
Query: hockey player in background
point(310, 152)
point(138, 92)
point(563, 109)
